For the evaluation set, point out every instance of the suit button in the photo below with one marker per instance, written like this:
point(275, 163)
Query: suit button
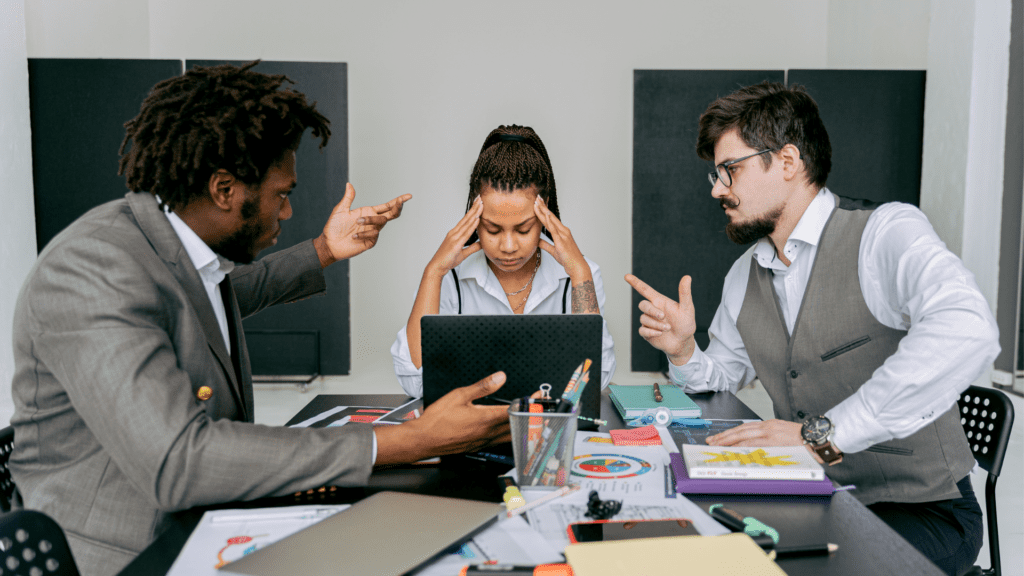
point(793, 373)
point(800, 414)
point(204, 393)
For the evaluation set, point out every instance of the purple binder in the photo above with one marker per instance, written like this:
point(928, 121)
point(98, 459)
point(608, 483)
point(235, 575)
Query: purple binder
point(687, 485)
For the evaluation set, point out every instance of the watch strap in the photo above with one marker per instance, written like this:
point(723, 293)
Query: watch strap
point(827, 452)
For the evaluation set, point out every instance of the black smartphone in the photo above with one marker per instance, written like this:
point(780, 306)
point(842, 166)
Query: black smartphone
point(605, 530)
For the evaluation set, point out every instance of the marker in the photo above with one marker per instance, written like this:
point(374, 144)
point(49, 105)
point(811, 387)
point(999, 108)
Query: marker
point(545, 498)
point(575, 387)
point(763, 535)
point(535, 425)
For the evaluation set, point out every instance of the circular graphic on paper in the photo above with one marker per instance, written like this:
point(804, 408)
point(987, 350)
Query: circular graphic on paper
point(609, 466)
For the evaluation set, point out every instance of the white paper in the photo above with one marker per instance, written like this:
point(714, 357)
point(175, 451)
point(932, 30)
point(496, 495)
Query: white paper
point(638, 476)
point(620, 471)
point(223, 536)
point(510, 541)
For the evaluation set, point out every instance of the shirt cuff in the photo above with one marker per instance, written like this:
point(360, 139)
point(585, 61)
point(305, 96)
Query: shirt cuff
point(856, 429)
point(373, 453)
point(693, 374)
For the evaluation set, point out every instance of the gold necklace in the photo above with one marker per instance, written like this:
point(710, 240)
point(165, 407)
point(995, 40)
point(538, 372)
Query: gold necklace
point(532, 276)
point(525, 298)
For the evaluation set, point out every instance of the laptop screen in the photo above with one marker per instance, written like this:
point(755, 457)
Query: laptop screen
point(531, 349)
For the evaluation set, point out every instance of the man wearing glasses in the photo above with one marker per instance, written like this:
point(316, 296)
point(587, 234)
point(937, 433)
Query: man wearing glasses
point(862, 326)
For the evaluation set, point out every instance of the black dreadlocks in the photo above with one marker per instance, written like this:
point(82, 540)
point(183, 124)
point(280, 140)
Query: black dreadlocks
point(511, 158)
point(210, 118)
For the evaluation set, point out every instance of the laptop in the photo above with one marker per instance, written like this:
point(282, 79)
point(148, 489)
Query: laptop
point(531, 349)
point(389, 533)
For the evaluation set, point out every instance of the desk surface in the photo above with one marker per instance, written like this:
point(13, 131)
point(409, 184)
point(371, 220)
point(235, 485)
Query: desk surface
point(866, 544)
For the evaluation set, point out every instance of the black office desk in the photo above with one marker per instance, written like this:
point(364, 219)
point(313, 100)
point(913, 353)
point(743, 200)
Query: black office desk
point(866, 544)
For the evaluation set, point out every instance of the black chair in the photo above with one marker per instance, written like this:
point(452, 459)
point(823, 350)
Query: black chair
point(31, 543)
point(6, 481)
point(987, 417)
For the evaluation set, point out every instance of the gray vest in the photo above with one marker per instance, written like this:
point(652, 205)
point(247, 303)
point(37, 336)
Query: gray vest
point(835, 347)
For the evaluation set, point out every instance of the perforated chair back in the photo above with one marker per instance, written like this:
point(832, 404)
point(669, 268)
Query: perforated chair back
point(987, 417)
point(31, 543)
point(6, 481)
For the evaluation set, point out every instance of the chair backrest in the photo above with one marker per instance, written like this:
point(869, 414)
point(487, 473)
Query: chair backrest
point(987, 417)
point(6, 481)
point(32, 543)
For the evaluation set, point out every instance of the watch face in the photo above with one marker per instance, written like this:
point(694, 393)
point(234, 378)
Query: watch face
point(816, 429)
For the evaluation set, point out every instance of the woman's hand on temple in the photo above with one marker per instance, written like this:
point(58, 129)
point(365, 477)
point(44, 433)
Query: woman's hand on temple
point(454, 250)
point(564, 249)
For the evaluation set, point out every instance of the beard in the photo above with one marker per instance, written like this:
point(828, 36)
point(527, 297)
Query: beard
point(240, 246)
point(753, 229)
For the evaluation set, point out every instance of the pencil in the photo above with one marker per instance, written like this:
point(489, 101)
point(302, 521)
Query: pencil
point(813, 550)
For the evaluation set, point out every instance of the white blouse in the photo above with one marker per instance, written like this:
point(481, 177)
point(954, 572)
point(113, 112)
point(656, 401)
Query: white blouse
point(483, 294)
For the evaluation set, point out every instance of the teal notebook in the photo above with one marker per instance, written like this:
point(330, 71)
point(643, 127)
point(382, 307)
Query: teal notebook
point(631, 401)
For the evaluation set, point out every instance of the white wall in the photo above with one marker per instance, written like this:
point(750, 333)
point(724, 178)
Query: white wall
point(428, 80)
point(964, 138)
point(17, 218)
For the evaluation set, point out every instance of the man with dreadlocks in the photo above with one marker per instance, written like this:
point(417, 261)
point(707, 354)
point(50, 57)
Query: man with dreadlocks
point(132, 389)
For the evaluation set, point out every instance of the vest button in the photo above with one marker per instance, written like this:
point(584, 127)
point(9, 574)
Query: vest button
point(800, 414)
point(793, 373)
point(204, 393)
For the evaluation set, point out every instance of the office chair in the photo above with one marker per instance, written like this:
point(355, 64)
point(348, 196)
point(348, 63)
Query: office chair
point(6, 481)
point(32, 543)
point(987, 416)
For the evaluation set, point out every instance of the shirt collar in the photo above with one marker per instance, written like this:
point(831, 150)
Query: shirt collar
point(808, 229)
point(212, 267)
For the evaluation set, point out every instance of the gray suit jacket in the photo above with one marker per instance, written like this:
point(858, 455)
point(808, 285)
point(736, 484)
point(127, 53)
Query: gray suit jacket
point(114, 336)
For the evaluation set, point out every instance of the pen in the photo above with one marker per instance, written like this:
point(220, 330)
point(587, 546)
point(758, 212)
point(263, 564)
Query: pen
point(657, 393)
point(540, 570)
point(815, 550)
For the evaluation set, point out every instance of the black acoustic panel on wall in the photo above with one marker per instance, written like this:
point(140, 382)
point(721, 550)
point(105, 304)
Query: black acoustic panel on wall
point(78, 108)
point(678, 229)
point(875, 123)
point(322, 175)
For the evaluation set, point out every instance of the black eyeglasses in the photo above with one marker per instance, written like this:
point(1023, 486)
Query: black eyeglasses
point(722, 170)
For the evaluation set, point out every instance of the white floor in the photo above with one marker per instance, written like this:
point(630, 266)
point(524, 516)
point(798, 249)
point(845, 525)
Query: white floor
point(277, 403)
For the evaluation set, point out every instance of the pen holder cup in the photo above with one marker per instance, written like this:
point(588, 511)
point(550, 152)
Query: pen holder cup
point(542, 443)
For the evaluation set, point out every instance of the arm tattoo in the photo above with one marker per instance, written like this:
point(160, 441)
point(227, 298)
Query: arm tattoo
point(584, 299)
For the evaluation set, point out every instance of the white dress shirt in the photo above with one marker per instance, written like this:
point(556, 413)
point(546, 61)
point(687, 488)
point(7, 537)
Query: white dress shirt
point(212, 268)
point(910, 281)
point(482, 294)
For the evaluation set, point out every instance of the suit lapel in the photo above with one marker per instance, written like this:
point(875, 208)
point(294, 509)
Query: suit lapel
point(165, 241)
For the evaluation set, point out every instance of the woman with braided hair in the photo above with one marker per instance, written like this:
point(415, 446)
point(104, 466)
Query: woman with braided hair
point(509, 254)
